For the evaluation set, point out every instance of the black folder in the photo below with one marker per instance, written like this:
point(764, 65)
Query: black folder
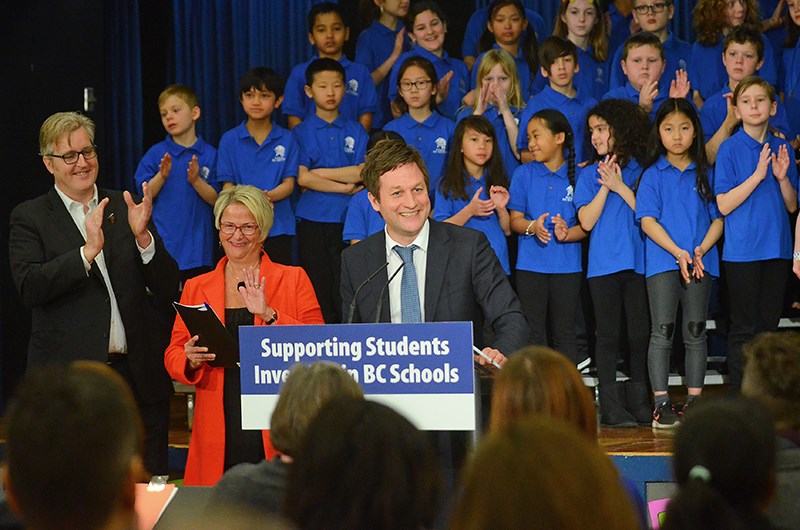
point(201, 320)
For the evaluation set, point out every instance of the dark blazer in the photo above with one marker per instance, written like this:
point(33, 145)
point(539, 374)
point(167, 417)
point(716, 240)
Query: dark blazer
point(464, 282)
point(71, 309)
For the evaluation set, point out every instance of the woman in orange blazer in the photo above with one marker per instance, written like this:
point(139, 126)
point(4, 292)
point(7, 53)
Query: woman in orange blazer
point(246, 288)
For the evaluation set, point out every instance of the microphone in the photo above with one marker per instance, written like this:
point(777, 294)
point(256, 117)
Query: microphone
point(352, 309)
point(386, 286)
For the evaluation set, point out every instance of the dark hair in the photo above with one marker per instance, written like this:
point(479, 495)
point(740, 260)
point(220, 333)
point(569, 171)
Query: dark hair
point(724, 462)
point(380, 135)
point(385, 156)
point(421, 7)
point(323, 65)
point(643, 38)
point(363, 465)
point(261, 78)
point(697, 151)
point(772, 375)
point(792, 32)
point(528, 44)
point(628, 126)
point(323, 8)
point(72, 434)
point(557, 123)
point(745, 34)
point(554, 47)
point(455, 176)
point(430, 71)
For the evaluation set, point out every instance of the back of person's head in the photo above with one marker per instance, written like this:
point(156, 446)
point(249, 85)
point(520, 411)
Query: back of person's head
point(745, 34)
point(539, 380)
point(772, 376)
point(263, 79)
point(323, 8)
point(361, 465)
point(184, 92)
point(323, 65)
point(724, 463)
point(302, 395)
point(643, 38)
point(541, 473)
point(554, 47)
point(386, 156)
point(74, 442)
point(60, 123)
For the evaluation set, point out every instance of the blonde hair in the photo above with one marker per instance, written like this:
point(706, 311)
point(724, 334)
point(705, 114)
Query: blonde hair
point(251, 198)
point(754, 80)
point(491, 59)
point(59, 124)
point(186, 93)
point(597, 37)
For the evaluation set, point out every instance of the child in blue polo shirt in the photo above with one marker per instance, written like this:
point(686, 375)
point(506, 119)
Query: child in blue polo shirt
point(559, 59)
point(743, 54)
point(327, 32)
point(643, 64)
point(180, 172)
point(420, 125)
point(606, 208)
point(654, 16)
point(790, 84)
point(332, 152)
point(548, 266)
point(426, 26)
point(756, 188)
point(581, 22)
point(675, 205)
point(474, 190)
point(263, 154)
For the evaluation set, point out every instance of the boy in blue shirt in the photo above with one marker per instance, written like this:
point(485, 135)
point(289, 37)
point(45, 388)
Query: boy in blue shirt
point(559, 64)
point(327, 32)
point(180, 174)
point(263, 154)
point(332, 152)
point(742, 55)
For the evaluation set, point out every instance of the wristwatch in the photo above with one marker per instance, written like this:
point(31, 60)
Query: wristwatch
point(273, 319)
point(796, 256)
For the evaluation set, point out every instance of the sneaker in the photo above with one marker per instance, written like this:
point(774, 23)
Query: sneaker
point(682, 410)
point(583, 366)
point(665, 417)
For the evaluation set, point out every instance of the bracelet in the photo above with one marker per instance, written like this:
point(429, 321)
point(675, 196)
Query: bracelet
point(528, 230)
point(678, 257)
point(796, 256)
point(273, 319)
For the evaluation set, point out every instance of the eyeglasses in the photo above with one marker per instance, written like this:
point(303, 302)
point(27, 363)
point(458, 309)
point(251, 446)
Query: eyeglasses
point(654, 8)
point(420, 84)
point(229, 229)
point(72, 157)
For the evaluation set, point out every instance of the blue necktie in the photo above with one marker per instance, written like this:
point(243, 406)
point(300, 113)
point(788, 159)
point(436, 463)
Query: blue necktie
point(409, 292)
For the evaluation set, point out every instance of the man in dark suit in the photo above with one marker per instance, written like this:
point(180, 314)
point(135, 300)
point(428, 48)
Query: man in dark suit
point(457, 273)
point(96, 275)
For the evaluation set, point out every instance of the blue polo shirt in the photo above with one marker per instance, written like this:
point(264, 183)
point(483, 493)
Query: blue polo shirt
point(791, 87)
point(616, 243)
point(328, 145)
point(183, 219)
point(759, 228)
point(459, 83)
point(620, 28)
point(510, 162)
point(708, 74)
point(677, 53)
point(242, 161)
point(375, 44)
point(714, 110)
point(535, 190)
point(447, 206)
point(431, 138)
point(631, 94)
point(574, 109)
point(670, 196)
point(591, 78)
point(476, 25)
point(361, 220)
point(523, 71)
point(359, 97)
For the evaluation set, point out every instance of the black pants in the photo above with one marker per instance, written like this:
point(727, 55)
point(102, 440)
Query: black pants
point(321, 246)
point(279, 249)
point(755, 297)
point(613, 295)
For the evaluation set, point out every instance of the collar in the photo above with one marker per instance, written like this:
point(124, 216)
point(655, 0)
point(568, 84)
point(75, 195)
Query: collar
point(630, 91)
point(176, 149)
point(753, 144)
point(70, 204)
point(319, 123)
point(421, 240)
point(662, 163)
point(557, 97)
point(429, 122)
point(419, 50)
point(343, 60)
point(517, 58)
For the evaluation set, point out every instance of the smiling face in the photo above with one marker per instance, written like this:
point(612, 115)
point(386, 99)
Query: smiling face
point(328, 35)
point(395, 8)
point(237, 246)
point(741, 60)
point(677, 133)
point(403, 202)
point(794, 11)
point(542, 143)
point(600, 131)
point(76, 180)
point(416, 98)
point(643, 64)
point(754, 107)
point(507, 25)
point(580, 17)
point(428, 32)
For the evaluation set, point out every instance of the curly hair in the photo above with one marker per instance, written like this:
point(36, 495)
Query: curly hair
point(710, 22)
point(628, 126)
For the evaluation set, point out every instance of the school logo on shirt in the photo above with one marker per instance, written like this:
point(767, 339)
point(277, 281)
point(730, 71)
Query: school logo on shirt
point(516, 120)
point(349, 145)
point(204, 173)
point(280, 154)
point(600, 75)
point(352, 87)
point(568, 197)
point(441, 146)
point(682, 64)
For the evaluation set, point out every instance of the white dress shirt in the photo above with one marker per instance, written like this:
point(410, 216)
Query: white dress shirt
point(420, 263)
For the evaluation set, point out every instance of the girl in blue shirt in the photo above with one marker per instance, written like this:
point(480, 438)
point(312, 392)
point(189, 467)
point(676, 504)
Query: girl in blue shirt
point(421, 125)
point(675, 206)
point(474, 189)
point(606, 208)
point(543, 214)
point(581, 22)
point(791, 71)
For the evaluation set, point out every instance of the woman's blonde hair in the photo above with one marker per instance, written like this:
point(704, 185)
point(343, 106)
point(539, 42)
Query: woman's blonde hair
point(251, 198)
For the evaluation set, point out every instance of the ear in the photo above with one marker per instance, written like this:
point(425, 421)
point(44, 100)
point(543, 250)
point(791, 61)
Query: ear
point(278, 102)
point(48, 163)
point(376, 204)
point(670, 12)
point(307, 90)
point(195, 113)
point(346, 34)
point(624, 68)
point(311, 39)
point(489, 26)
point(561, 138)
point(545, 74)
point(737, 113)
point(759, 65)
point(773, 109)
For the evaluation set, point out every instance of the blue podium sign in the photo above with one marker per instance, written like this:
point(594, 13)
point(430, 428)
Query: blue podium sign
point(424, 371)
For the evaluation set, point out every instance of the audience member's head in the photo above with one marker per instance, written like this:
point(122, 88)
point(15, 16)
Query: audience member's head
point(772, 376)
point(363, 465)
point(539, 380)
point(724, 463)
point(541, 473)
point(302, 395)
point(74, 442)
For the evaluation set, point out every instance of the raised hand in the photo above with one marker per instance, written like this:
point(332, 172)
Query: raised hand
point(94, 231)
point(610, 174)
point(139, 215)
point(165, 166)
point(443, 88)
point(253, 291)
point(764, 159)
point(780, 163)
point(680, 86)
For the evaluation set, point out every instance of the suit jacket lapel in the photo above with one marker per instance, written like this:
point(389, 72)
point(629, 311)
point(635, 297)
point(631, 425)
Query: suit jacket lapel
point(375, 258)
point(62, 222)
point(109, 227)
point(438, 255)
